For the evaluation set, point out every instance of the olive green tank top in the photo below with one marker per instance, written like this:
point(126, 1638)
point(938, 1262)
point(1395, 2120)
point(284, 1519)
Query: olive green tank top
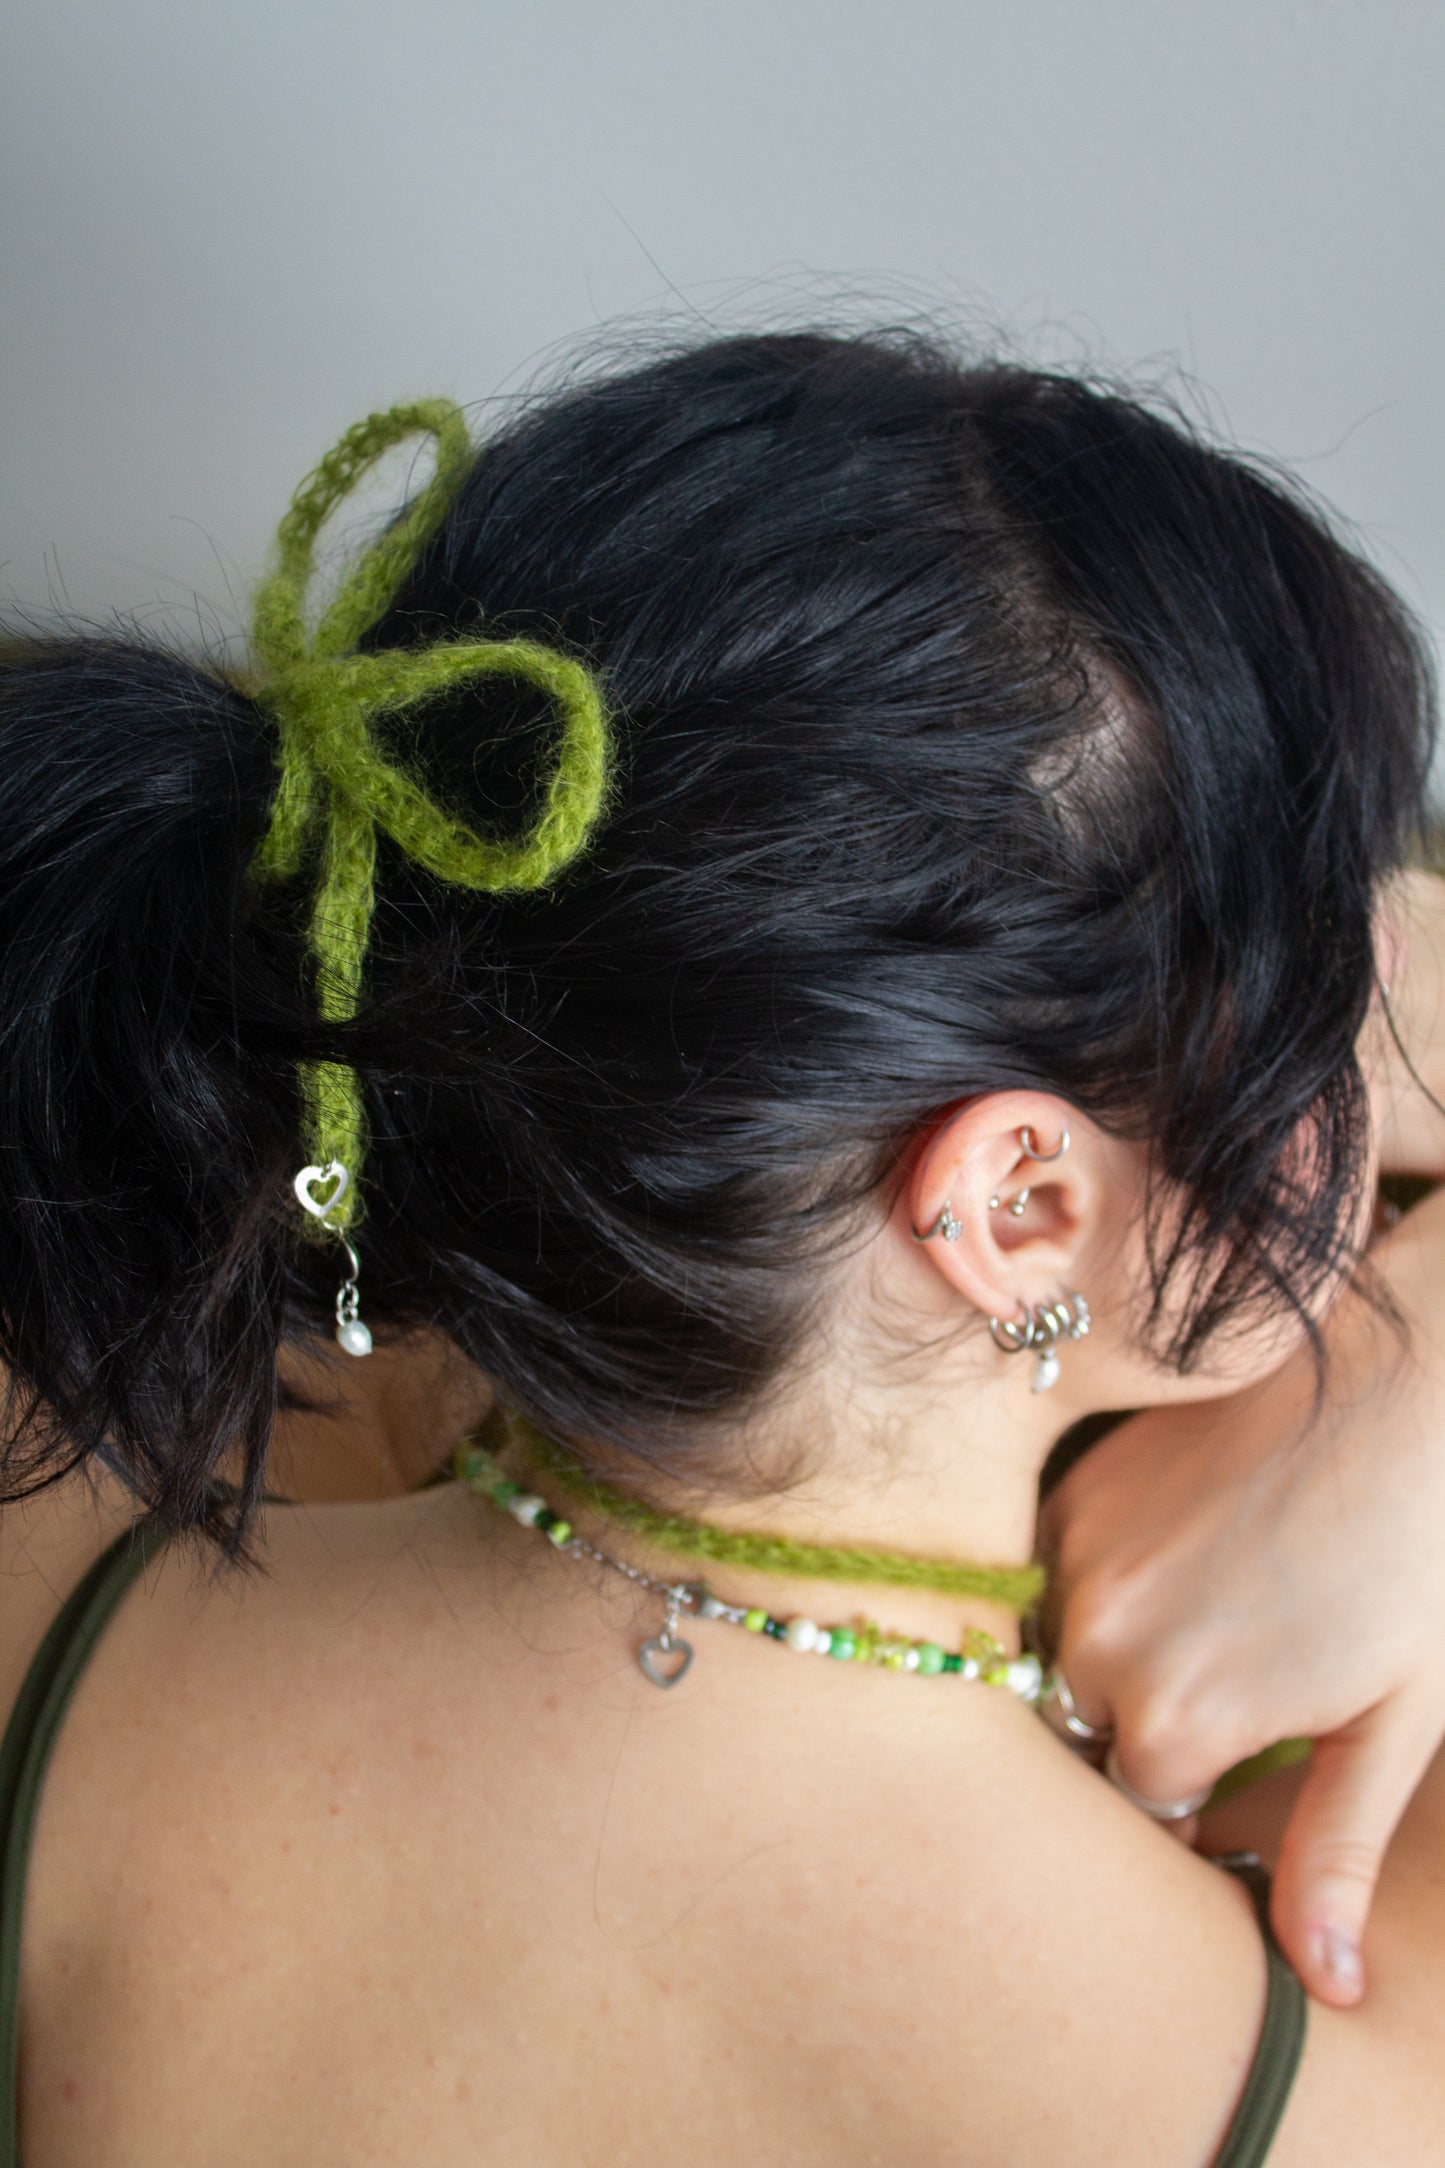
point(40, 1710)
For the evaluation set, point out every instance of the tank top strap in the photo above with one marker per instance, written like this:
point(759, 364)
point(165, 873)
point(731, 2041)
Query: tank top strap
point(25, 1752)
point(1281, 2041)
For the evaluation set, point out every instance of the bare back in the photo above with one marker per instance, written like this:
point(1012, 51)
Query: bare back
point(391, 1853)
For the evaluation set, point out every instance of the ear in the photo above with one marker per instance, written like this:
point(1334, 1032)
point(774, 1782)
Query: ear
point(1000, 1212)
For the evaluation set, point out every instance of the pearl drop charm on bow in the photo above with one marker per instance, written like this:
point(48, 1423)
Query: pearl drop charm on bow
point(353, 1335)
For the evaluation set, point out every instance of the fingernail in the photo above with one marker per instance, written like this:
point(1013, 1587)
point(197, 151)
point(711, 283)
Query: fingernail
point(1340, 1955)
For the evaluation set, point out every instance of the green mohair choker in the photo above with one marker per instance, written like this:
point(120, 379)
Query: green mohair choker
point(1013, 1588)
point(338, 791)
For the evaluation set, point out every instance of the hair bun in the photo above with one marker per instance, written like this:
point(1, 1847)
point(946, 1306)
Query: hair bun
point(146, 1088)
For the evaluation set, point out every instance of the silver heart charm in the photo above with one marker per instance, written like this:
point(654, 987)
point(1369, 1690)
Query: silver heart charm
point(305, 1188)
point(671, 1650)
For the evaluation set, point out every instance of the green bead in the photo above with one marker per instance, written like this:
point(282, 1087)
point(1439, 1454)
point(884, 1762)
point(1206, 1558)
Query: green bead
point(504, 1491)
point(560, 1532)
point(844, 1645)
point(755, 1621)
point(953, 1663)
point(930, 1658)
point(546, 1520)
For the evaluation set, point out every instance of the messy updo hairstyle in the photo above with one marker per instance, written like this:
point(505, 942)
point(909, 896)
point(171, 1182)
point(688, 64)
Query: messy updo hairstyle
point(977, 727)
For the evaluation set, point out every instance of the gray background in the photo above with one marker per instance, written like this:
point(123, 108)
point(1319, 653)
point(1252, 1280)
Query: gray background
point(228, 230)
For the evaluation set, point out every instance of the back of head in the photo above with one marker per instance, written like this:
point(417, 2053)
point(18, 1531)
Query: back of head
point(975, 727)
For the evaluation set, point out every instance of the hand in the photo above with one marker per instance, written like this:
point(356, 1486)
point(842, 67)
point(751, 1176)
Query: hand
point(1232, 1573)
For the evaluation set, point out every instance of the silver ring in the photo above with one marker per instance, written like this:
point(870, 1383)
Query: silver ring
point(1044, 1159)
point(1059, 1711)
point(1010, 1337)
point(944, 1224)
point(1158, 1810)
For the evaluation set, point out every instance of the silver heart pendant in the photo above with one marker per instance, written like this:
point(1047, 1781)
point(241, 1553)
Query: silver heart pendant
point(672, 1652)
point(305, 1188)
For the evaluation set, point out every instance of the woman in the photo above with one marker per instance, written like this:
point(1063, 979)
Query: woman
point(880, 869)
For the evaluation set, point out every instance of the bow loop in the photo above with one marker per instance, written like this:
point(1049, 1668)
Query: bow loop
point(279, 633)
point(336, 782)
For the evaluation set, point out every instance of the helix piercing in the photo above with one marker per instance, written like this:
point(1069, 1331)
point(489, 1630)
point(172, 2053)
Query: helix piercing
point(1030, 1150)
point(945, 1225)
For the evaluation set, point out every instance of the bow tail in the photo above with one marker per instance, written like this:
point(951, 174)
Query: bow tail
point(340, 926)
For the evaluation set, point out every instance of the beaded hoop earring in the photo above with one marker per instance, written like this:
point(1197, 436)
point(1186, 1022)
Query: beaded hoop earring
point(1038, 1330)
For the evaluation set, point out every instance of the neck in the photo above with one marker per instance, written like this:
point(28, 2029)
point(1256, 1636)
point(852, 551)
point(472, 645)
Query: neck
point(924, 1489)
point(943, 1468)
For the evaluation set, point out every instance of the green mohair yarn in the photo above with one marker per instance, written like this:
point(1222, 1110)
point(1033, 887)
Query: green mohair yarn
point(1014, 1588)
point(337, 787)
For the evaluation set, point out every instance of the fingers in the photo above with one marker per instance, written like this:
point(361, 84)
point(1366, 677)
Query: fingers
point(1174, 1732)
point(1360, 1781)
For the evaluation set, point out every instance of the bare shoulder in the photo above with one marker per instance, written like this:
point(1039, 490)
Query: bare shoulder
point(1083, 1988)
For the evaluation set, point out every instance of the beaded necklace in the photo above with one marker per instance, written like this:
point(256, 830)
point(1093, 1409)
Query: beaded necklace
point(666, 1657)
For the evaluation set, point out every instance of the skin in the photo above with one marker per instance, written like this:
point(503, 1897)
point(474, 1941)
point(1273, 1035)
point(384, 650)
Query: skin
point(387, 1851)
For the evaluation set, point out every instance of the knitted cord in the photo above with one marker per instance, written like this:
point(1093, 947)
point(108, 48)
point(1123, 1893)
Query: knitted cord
point(1015, 1588)
point(336, 786)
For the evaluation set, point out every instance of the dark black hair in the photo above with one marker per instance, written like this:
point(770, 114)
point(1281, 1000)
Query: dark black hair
point(978, 727)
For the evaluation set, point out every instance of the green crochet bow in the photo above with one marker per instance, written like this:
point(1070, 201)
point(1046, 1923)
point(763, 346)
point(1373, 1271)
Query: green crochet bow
point(337, 787)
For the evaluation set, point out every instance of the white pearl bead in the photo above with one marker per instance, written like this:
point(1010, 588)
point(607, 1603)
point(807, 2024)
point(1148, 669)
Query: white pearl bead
point(801, 1634)
point(969, 1668)
point(1025, 1677)
point(1046, 1372)
point(354, 1337)
point(824, 1643)
point(910, 1659)
point(711, 1607)
point(526, 1508)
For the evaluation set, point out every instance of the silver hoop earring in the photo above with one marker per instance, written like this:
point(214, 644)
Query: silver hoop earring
point(352, 1334)
point(945, 1225)
point(1028, 1146)
point(1010, 1338)
point(1039, 1330)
